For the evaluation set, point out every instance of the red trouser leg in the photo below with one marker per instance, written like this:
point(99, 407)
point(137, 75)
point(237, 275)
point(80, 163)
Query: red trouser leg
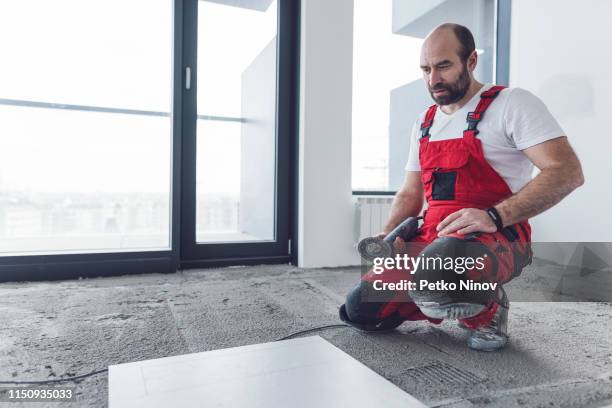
point(381, 304)
point(511, 256)
point(367, 305)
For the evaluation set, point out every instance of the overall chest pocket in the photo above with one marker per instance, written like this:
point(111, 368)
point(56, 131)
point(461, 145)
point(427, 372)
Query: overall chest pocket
point(439, 173)
point(443, 187)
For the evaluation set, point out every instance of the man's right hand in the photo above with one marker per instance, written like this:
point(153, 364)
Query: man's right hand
point(399, 245)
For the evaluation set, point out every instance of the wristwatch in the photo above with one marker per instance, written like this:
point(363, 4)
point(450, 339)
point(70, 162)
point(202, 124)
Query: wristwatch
point(494, 214)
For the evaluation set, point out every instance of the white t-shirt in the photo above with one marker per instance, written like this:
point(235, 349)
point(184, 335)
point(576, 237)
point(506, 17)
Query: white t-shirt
point(515, 120)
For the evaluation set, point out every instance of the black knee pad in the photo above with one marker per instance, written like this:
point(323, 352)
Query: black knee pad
point(364, 306)
point(432, 271)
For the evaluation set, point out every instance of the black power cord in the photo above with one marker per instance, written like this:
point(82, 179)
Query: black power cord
point(57, 380)
point(80, 377)
point(329, 326)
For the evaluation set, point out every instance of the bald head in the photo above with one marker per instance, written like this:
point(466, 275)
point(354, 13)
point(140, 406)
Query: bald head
point(454, 35)
point(448, 61)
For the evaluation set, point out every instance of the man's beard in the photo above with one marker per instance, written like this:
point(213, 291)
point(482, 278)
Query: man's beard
point(455, 91)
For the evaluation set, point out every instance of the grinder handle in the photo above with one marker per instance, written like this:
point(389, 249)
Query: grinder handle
point(406, 230)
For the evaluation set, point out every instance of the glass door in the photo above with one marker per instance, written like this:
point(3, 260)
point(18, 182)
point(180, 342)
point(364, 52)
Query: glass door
point(235, 132)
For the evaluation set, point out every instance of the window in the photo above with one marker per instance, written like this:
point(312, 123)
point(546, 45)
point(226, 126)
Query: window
point(85, 125)
point(388, 91)
point(142, 136)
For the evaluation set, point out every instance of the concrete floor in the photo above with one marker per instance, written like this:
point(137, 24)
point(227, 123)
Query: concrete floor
point(559, 355)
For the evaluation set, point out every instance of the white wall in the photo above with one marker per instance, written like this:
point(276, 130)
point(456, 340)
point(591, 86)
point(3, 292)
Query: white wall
point(326, 205)
point(561, 51)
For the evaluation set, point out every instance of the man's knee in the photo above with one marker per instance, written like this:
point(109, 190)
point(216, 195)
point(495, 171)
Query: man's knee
point(364, 304)
point(369, 309)
point(442, 271)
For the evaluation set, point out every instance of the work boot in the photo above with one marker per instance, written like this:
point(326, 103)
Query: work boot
point(450, 311)
point(462, 326)
point(493, 336)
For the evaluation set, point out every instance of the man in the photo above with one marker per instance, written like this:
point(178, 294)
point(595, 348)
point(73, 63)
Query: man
point(475, 172)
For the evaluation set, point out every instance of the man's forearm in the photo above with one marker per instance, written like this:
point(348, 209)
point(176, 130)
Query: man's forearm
point(404, 206)
point(544, 191)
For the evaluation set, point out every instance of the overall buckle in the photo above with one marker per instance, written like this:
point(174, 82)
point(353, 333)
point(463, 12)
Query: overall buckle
point(473, 118)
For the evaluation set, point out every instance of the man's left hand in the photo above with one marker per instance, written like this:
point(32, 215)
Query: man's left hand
point(465, 221)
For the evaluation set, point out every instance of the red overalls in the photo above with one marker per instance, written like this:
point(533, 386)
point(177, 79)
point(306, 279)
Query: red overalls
point(456, 175)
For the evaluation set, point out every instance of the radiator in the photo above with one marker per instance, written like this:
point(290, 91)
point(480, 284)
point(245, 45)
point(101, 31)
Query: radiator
point(371, 213)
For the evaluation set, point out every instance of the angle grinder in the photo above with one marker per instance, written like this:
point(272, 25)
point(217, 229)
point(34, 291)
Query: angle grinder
point(372, 247)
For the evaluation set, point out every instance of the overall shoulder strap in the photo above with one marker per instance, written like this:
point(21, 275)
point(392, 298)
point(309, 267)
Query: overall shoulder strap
point(428, 121)
point(486, 98)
